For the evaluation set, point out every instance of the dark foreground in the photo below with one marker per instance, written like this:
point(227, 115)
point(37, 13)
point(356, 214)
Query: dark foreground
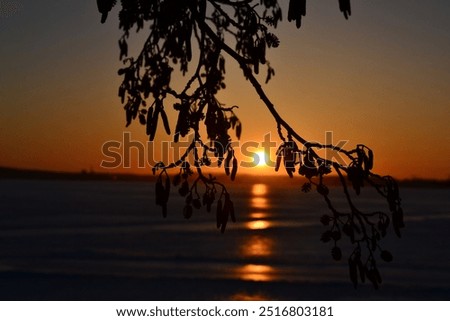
point(102, 240)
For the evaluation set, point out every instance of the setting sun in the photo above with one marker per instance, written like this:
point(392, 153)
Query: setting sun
point(260, 159)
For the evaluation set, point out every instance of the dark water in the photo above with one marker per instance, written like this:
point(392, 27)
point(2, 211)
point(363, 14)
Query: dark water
point(114, 229)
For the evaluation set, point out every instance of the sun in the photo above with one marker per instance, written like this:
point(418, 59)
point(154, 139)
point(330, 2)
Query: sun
point(260, 159)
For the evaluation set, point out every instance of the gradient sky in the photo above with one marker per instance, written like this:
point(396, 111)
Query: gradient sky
point(381, 78)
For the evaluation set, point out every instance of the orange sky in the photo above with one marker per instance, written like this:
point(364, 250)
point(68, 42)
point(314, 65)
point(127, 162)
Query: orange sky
point(381, 78)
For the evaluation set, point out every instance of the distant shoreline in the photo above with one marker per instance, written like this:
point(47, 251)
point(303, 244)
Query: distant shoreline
point(15, 173)
point(33, 174)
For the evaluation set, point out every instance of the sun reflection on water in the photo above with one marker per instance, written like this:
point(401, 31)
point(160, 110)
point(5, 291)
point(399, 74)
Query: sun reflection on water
point(258, 225)
point(258, 199)
point(243, 296)
point(259, 202)
point(259, 189)
point(256, 272)
point(257, 245)
point(258, 215)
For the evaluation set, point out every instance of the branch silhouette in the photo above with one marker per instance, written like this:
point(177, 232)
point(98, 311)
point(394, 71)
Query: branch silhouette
point(215, 27)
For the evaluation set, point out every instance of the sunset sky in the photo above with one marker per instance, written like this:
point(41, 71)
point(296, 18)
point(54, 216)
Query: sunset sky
point(381, 78)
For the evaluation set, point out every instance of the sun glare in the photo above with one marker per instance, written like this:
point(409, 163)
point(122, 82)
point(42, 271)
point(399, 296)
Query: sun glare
point(260, 160)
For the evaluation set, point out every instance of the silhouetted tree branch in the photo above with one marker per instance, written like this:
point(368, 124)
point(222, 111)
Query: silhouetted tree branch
point(176, 29)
